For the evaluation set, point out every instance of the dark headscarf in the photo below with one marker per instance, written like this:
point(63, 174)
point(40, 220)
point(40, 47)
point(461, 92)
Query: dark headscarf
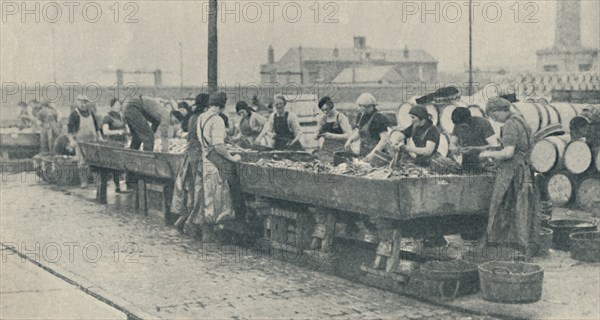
point(242, 105)
point(420, 112)
point(461, 115)
point(201, 102)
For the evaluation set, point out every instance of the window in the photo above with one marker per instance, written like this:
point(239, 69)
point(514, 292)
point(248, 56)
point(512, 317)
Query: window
point(585, 67)
point(550, 68)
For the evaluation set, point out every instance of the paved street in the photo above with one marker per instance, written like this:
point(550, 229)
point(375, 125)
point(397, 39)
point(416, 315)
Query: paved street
point(152, 271)
point(30, 292)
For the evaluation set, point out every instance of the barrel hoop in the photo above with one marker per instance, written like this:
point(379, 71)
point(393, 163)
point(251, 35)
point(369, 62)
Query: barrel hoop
point(555, 111)
point(540, 118)
point(543, 108)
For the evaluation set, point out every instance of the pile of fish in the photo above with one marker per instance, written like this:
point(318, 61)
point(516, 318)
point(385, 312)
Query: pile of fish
point(176, 146)
point(356, 168)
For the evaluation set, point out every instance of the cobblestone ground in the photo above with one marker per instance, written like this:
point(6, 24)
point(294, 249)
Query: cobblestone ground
point(152, 271)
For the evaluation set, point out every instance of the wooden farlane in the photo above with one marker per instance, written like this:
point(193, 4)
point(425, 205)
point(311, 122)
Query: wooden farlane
point(398, 199)
point(18, 145)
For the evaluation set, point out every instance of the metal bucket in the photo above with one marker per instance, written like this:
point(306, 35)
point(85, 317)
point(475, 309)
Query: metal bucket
point(563, 228)
point(585, 246)
point(511, 282)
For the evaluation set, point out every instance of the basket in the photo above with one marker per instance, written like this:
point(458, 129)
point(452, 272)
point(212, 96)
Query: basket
point(448, 279)
point(44, 167)
point(65, 171)
point(585, 246)
point(563, 228)
point(511, 282)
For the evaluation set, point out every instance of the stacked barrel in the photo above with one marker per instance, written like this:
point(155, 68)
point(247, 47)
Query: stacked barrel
point(546, 82)
point(569, 164)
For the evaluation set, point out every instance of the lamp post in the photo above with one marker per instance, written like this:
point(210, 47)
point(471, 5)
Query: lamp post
point(212, 46)
point(181, 65)
point(470, 49)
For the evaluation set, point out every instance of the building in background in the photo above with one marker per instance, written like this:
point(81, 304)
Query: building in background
point(309, 65)
point(567, 54)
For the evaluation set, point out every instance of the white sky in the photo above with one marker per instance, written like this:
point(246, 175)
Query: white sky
point(85, 49)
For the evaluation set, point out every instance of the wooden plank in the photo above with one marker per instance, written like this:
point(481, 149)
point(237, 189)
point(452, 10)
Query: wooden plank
point(394, 259)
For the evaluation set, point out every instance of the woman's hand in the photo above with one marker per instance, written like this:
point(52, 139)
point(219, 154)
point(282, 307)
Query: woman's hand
point(486, 155)
point(369, 157)
point(236, 158)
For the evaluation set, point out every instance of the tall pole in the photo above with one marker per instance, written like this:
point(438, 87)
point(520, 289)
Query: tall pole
point(53, 55)
point(181, 65)
point(212, 46)
point(470, 49)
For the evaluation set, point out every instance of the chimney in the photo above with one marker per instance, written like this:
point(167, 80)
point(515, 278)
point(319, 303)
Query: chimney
point(120, 77)
point(157, 77)
point(271, 55)
point(360, 43)
point(568, 20)
point(406, 52)
point(336, 52)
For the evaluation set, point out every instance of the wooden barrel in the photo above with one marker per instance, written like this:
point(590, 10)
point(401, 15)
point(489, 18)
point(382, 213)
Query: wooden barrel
point(597, 159)
point(587, 194)
point(547, 154)
point(446, 115)
point(566, 111)
point(444, 144)
point(532, 113)
point(403, 116)
point(578, 157)
point(432, 110)
point(560, 188)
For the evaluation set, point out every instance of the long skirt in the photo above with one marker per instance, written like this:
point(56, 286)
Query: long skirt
point(185, 182)
point(513, 216)
point(218, 204)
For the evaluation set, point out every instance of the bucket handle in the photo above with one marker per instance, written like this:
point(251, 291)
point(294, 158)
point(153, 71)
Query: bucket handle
point(453, 295)
point(505, 270)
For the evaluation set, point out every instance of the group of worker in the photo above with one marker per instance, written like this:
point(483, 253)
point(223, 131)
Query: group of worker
point(207, 194)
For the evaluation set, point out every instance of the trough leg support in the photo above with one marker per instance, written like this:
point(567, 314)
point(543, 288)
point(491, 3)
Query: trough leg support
point(324, 232)
point(385, 268)
point(141, 202)
point(101, 193)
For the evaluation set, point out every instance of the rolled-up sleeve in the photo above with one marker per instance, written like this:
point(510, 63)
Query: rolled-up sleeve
point(294, 124)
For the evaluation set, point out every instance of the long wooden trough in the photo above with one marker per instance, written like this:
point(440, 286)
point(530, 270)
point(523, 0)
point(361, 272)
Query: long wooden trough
point(400, 199)
point(16, 145)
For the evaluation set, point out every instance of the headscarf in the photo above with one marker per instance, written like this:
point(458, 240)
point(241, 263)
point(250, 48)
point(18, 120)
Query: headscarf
point(420, 112)
point(242, 105)
point(201, 102)
point(461, 115)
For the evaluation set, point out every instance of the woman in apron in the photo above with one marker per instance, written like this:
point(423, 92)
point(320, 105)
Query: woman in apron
point(371, 129)
point(83, 127)
point(216, 161)
point(284, 127)
point(514, 207)
point(250, 126)
point(425, 136)
point(334, 128)
point(114, 129)
point(188, 191)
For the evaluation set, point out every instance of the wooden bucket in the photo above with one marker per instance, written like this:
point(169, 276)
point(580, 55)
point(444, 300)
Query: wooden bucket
point(585, 246)
point(511, 282)
point(578, 157)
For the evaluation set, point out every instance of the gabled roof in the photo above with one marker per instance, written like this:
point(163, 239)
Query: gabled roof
point(291, 59)
point(368, 74)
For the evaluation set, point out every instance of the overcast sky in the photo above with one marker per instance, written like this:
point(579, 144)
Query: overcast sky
point(88, 51)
